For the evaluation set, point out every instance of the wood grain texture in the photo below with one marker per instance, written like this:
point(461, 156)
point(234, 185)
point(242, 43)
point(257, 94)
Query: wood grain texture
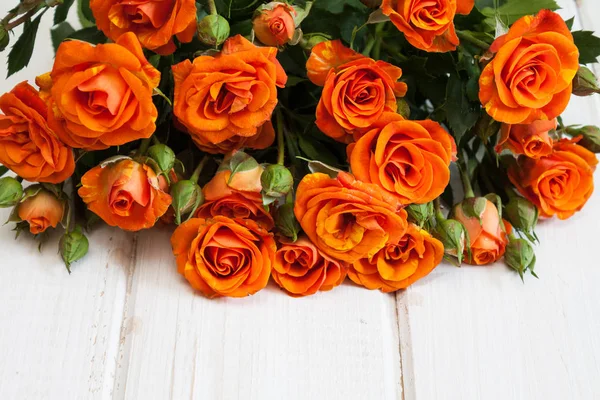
point(479, 333)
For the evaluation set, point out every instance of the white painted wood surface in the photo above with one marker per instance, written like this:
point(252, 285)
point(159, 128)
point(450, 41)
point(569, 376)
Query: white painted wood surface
point(124, 325)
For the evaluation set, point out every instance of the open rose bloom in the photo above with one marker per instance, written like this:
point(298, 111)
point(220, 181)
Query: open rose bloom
point(307, 144)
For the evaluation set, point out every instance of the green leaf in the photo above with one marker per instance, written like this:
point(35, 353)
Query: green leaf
point(240, 162)
point(60, 32)
point(21, 52)
point(86, 17)
point(337, 6)
point(90, 35)
point(62, 10)
point(588, 45)
point(512, 10)
point(460, 112)
point(570, 22)
point(315, 150)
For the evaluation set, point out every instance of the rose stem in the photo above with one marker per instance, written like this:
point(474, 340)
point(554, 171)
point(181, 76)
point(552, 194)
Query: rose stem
point(144, 147)
point(464, 35)
point(3, 170)
point(280, 139)
point(438, 209)
point(466, 182)
point(212, 7)
point(199, 168)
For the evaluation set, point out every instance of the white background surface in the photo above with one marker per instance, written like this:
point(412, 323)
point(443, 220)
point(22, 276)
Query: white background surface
point(125, 325)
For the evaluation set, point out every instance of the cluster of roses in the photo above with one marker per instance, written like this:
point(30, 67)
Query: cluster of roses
point(241, 227)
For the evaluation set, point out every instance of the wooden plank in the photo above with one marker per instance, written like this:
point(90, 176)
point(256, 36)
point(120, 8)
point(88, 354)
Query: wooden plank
point(336, 345)
point(479, 333)
point(59, 334)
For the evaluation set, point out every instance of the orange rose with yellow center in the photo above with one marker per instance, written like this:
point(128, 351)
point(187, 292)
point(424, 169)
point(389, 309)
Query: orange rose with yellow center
point(124, 194)
point(27, 144)
point(155, 23)
point(427, 24)
point(559, 184)
point(301, 269)
point(357, 90)
point(223, 256)
point(531, 140)
point(101, 96)
point(399, 265)
point(530, 77)
point(41, 210)
point(348, 219)
point(408, 158)
point(231, 94)
point(488, 233)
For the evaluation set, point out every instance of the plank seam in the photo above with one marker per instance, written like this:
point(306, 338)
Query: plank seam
point(407, 380)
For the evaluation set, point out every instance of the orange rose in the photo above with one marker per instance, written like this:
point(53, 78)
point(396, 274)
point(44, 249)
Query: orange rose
point(101, 96)
point(153, 22)
point(531, 140)
point(487, 234)
point(427, 25)
point(357, 90)
point(27, 144)
point(274, 23)
point(265, 136)
point(301, 269)
point(41, 210)
point(125, 194)
point(530, 77)
point(399, 265)
point(407, 158)
point(559, 184)
point(224, 257)
point(348, 219)
point(231, 94)
point(237, 197)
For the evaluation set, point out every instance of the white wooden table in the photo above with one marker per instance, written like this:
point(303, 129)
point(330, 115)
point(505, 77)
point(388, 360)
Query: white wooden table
point(125, 325)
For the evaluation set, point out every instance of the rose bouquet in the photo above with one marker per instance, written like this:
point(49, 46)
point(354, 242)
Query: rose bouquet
point(303, 141)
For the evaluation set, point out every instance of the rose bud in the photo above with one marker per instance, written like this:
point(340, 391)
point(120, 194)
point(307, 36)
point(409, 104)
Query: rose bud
point(187, 197)
point(585, 82)
point(520, 256)
point(11, 192)
point(4, 39)
point(274, 23)
point(73, 247)
point(164, 157)
point(487, 236)
point(213, 30)
point(313, 39)
point(532, 140)
point(420, 213)
point(286, 222)
point(523, 215)
point(276, 180)
point(590, 137)
point(41, 209)
point(452, 235)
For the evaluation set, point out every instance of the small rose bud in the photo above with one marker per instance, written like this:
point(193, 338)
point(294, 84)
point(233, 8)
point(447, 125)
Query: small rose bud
point(4, 38)
point(523, 215)
point(452, 235)
point(585, 82)
point(164, 157)
point(276, 180)
point(371, 3)
point(286, 222)
point(213, 30)
point(590, 137)
point(40, 208)
point(187, 197)
point(420, 213)
point(73, 247)
point(520, 256)
point(11, 192)
point(274, 23)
